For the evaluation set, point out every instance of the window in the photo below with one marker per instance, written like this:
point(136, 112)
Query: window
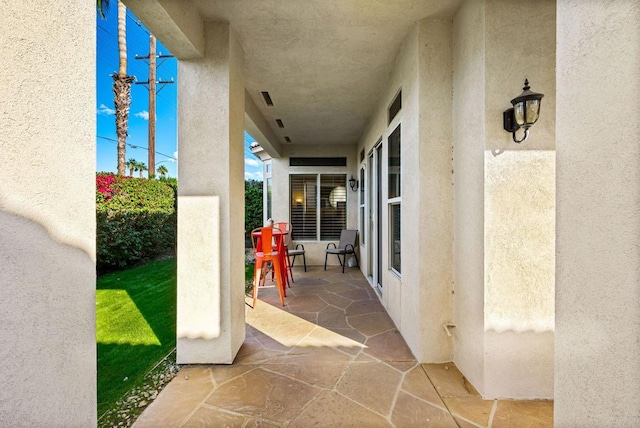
point(394, 228)
point(269, 198)
point(317, 161)
point(395, 107)
point(304, 201)
point(333, 206)
point(318, 206)
point(395, 209)
point(362, 208)
point(267, 189)
point(394, 164)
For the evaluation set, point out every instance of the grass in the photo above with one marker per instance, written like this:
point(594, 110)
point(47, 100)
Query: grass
point(248, 278)
point(136, 326)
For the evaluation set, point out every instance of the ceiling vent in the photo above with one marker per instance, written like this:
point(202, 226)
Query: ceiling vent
point(267, 98)
point(280, 124)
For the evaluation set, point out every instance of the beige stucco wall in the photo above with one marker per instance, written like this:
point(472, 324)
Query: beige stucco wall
point(419, 300)
point(505, 258)
point(47, 215)
point(211, 217)
point(598, 227)
point(431, 237)
point(314, 250)
point(468, 177)
point(519, 274)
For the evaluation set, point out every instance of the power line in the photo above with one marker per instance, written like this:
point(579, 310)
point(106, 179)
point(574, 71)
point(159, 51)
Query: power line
point(135, 146)
point(137, 22)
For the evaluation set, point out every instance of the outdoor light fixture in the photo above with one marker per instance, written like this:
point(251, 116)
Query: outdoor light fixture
point(525, 112)
point(353, 183)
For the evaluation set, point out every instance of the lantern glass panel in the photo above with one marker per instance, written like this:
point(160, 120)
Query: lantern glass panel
point(533, 109)
point(518, 112)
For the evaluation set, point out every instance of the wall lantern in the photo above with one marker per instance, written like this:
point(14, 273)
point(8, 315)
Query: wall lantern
point(525, 111)
point(353, 183)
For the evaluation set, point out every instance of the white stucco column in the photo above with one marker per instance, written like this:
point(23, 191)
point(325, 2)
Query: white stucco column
point(598, 228)
point(211, 201)
point(47, 214)
point(504, 196)
point(427, 211)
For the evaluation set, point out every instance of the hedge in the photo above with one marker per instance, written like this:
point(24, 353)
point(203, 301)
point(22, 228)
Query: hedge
point(252, 207)
point(136, 220)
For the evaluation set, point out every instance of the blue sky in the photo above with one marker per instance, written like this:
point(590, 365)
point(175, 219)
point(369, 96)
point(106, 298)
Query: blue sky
point(166, 100)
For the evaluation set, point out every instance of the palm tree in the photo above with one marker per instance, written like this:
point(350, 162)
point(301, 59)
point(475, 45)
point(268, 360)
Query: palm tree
point(103, 6)
point(162, 170)
point(131, 164)
point(142, 167)
point(122, 88)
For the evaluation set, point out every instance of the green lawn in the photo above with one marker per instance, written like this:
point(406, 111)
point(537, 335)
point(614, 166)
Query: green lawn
point(136, 326)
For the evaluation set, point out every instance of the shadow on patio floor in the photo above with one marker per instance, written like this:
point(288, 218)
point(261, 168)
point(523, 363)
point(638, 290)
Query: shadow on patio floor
point(331, 357)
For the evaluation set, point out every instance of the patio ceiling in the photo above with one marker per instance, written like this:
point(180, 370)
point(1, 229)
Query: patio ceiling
point(323, 62)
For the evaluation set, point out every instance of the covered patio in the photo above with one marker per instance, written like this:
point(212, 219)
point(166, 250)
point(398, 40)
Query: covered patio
point(531, 249)
point(330, 357)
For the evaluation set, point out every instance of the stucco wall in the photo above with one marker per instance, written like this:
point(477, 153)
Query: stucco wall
point(519, 276)
point(403, 77)
point(210, 219)
point(47, 215)
point(433, 242)
point(468, 177)
point(519, 273)
point(419, 300)
point(504, 263)
point(314, 250)
point(598, 226)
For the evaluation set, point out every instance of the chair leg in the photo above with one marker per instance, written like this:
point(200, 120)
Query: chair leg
point(357, 261)
point(304, 260)
point(344, 263)
point(265, 272)
point(279, 281)
point(288, 266)
point(325, 260)
point(256, 283)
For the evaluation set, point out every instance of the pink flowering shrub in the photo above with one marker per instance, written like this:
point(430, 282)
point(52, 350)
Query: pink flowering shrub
point(136, 220)
point(104, 187)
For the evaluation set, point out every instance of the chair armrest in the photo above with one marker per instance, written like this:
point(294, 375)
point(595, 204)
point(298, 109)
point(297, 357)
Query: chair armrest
point(299, 245)
point(346, 248)
point(331, 243)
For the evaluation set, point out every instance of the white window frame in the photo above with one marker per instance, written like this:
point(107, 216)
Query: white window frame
point(393, 126)
point(318, 203)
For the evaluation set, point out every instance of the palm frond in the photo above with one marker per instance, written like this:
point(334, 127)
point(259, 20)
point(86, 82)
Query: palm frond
point(103, 7)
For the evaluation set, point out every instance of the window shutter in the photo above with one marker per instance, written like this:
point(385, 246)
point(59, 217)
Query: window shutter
point(333, 206)
point(303, 207)
point(308, 211)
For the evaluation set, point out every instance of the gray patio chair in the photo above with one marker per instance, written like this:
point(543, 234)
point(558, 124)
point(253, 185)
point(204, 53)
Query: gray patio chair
point(298, 251)
point(346, 246)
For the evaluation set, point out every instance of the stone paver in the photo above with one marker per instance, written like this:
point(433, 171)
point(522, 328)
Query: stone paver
point(331, 357)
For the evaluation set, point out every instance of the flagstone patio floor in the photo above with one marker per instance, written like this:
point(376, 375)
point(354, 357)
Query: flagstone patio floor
point(331, 357)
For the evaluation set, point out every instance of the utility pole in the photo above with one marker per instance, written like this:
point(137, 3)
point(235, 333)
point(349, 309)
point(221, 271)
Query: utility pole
point(152, 106)
point(151, 86)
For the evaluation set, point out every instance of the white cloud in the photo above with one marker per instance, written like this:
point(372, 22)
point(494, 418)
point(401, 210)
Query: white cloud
point(143, 114)
point(251, 162)
point(253, 175)
point(103, 109)
point(175, 154)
